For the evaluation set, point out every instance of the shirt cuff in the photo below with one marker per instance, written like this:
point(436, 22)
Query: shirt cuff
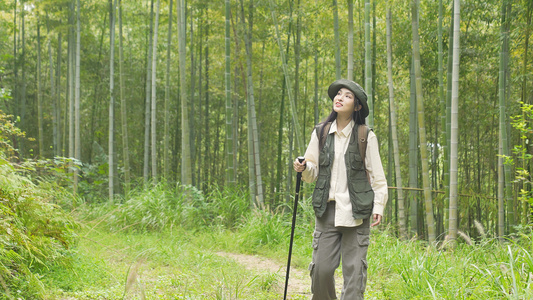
point(378, 209)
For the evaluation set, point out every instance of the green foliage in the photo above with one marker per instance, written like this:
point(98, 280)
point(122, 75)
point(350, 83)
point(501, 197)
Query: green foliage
point(522, 156)
point(524, 124)
point(263, 228)
point(35, 233)
point(8, 133)
point(487, 269)
point(164, 206)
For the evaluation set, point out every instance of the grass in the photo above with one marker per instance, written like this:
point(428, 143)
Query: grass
point(182, 264)
point(176, 264)
point(125, 252)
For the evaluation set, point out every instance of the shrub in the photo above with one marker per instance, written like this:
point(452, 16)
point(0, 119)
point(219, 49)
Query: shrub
point(34, 232)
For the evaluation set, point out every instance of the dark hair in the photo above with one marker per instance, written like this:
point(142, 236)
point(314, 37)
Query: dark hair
point(356, 116)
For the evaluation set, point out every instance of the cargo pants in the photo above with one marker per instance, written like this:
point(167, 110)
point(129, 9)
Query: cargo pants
point(330, 243)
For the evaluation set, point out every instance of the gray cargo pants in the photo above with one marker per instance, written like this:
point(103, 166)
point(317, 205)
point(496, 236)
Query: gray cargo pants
point(329, 244)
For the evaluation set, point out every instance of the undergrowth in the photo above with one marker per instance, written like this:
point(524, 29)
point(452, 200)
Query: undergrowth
point(35, 232)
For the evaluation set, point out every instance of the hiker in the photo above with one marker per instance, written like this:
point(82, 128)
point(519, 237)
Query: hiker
point(350, 193)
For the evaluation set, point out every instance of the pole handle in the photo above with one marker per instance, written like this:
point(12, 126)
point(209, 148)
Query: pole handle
point(300, 160)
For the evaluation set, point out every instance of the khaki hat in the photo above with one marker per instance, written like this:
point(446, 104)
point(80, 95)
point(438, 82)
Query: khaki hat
point(358, 91)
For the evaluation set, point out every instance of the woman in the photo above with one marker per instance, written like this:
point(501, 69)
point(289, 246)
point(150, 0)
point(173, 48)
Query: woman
point(351, 187)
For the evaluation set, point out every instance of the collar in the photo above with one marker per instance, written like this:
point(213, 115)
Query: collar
point(346, 131)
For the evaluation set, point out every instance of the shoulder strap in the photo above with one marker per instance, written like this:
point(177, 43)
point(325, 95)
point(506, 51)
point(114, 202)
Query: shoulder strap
point(362, 135)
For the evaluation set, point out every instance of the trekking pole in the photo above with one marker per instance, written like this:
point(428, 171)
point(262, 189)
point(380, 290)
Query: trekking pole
point(296, 196)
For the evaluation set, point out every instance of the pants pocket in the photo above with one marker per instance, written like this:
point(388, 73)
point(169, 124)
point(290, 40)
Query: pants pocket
point(316, 237)
point(363, 236)
point(364, 267)
point(311, 274)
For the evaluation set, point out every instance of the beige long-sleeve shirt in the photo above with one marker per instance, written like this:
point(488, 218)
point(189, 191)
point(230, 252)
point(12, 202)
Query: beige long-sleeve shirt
point(338, 186)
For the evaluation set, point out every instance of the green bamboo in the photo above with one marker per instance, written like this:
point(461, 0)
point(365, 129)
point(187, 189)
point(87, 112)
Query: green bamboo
point(430, 223)
point(123, 110)
point(452, 231)
point(186, 171)
point(368, 65)
point(394, 131)
point(337, 40)
point(230, 168)
point(299, 142)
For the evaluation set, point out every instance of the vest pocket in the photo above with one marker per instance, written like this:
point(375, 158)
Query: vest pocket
point(356, 162)
point(363, 204)
point(320, 190)
point(324, 159)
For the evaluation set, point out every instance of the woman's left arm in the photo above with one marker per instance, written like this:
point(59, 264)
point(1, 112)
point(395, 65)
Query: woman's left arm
point(378, 181)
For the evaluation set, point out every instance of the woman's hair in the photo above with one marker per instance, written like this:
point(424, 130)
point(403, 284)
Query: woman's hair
point(356, 116)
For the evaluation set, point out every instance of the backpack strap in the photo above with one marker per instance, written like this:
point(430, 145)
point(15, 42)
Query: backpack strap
point(362, 135)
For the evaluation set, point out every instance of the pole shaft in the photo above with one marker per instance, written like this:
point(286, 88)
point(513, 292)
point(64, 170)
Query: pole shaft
point(296, 196)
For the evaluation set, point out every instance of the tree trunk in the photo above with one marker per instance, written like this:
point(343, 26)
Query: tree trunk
point(55, 141)
point(57, 99)
point(452, 234)
point(111, 137)
point(413, 155)
point(422, 128)
point(153, 110)
point(72, 84)
point(15, 66)
point(368, 65)
point(123, 108)
point(166, 137)
point(39, 94)
point(23, 125)
point(287, 82)
point(446, 114)
point(230, 155)
point(77, 141)
point(350, 40)
point(186, 172)
point(529, 13)
point(504, 179)
point(147, 115)
point(337, 41)
point(253, 132)
point(394, 130)
point(207, 175)
point(192, 95)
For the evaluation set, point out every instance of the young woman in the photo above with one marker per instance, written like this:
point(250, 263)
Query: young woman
point(351, 189)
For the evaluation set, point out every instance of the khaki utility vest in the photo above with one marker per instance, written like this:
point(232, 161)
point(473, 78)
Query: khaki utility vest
point(360, 190)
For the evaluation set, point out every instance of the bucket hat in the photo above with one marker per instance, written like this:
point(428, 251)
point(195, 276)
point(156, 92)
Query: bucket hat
point(355, 88)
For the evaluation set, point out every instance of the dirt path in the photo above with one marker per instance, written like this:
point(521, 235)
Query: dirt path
point(299, 280)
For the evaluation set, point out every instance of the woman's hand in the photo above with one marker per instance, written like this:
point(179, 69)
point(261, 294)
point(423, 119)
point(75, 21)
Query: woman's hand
point(377, 220)
point(299, 167)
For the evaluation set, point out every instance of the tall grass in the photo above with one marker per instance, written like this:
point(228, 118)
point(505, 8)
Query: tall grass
point(487, 269)
point(164, 206)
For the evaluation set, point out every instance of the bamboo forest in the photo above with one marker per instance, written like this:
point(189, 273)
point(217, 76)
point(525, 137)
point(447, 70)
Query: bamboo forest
point(147, 146)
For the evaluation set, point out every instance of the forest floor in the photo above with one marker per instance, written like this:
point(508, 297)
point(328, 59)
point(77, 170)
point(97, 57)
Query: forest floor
point(299, 280)
point(152, 266)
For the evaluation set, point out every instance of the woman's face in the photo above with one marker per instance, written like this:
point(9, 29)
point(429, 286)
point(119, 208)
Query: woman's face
point(344, 102)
